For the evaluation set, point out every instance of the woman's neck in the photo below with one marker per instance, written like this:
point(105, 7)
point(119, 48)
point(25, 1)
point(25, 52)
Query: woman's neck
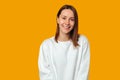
point(64, 37)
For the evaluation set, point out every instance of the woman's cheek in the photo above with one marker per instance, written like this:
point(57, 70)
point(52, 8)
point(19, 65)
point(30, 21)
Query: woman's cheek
point(61, 21)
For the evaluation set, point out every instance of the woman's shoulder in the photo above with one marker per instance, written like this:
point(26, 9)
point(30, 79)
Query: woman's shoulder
point(48, 41)
point(82, 39)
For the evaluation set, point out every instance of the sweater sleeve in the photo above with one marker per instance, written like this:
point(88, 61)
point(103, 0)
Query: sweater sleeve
point(85, 61)
point(44, 64)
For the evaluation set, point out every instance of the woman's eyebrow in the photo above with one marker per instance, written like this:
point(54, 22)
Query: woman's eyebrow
point(66, 16)
point(72, 17)
point(63, 16)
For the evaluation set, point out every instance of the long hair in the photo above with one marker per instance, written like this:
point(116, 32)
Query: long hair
point(74, 32)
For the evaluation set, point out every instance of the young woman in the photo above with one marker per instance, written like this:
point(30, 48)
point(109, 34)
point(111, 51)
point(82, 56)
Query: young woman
point(65, 56)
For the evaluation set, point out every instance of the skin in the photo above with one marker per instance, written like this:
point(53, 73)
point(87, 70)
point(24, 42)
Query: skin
point(66, 23)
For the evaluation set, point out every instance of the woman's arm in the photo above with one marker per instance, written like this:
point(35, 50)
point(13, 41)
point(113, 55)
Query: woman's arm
point(43, 63)
point(85, 62)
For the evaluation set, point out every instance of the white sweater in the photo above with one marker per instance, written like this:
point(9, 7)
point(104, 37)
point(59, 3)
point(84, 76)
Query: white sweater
point(62, 61)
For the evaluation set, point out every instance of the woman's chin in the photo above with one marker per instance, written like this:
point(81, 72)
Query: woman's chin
point(66, 31)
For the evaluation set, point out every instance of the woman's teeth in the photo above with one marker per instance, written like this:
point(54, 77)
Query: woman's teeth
point(67, 27)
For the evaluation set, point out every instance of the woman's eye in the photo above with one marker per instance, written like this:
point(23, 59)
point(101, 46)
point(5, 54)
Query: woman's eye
point(72, 19)
point(63, 18)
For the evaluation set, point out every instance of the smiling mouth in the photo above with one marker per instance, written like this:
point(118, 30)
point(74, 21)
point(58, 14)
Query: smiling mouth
point(66, 27)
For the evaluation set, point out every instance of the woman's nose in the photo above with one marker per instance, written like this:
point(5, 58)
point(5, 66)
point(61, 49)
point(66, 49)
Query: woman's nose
point(67, 22)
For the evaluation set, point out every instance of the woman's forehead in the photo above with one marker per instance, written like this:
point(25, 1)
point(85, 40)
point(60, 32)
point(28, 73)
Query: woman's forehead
point(67, 12)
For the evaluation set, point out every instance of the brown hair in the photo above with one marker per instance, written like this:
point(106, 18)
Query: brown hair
point(74, 32)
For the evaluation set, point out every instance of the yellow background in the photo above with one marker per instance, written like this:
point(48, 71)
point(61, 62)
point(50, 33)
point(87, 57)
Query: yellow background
point(24, 24)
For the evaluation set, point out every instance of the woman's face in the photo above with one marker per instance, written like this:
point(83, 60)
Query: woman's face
point(66, 21)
